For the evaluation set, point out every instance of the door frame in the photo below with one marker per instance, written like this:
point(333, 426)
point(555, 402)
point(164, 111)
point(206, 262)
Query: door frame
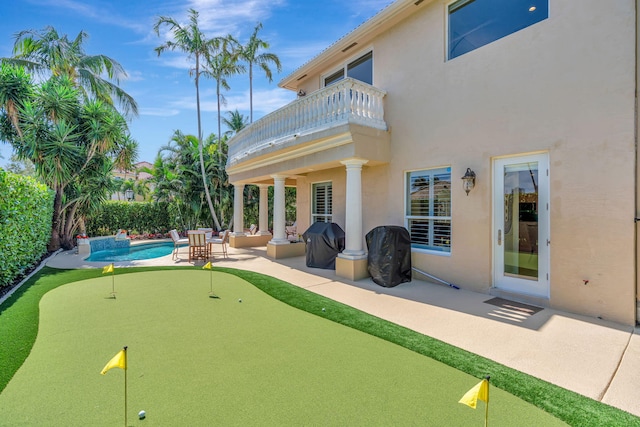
point(511, 283)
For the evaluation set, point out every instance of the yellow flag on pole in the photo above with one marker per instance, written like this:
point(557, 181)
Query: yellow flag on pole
point(118, 361)
point(479, 391)
point(107, 269)
point(207, 266)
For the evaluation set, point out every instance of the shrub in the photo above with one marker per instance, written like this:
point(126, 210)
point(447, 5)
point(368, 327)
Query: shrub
point(26, 210)
point(136, 217)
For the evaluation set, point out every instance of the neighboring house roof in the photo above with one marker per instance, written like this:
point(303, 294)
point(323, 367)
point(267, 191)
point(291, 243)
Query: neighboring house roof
point(365, 32)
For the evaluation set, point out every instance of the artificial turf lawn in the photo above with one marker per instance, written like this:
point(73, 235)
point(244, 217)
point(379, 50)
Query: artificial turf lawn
point(194, 360)
point(573, 408)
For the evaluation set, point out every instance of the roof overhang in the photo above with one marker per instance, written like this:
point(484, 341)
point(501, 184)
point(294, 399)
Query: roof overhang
point(361, 35)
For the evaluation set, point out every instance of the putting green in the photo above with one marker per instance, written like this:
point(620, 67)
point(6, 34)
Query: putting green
point(195, 360)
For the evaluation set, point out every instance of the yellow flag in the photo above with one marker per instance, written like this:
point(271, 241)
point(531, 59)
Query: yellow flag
point(207, 266)
point(479, 391)
point(118, 361)
point(107, 269)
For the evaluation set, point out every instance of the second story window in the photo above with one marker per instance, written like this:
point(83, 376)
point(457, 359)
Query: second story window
point(360, 69)
point(475, 23)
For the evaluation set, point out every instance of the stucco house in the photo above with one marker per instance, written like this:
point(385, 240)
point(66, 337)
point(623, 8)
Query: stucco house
point(537, 98)
point(137, 174)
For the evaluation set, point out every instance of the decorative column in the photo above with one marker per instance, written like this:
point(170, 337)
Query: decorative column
point(263, 223)
point(238, 209)
point(279, 218)
point(353, 214)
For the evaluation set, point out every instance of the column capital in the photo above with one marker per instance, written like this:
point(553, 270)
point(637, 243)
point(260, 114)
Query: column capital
point(279, 177)
point(354, 162)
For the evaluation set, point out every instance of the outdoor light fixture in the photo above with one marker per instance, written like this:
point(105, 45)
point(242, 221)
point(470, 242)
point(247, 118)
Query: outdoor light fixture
point(129, 195)
point(301, 92)
point(469, 180)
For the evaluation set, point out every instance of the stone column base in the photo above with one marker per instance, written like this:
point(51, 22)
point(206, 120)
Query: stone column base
point(286, 251)
point(352, 269)
point(84, 248)
point(248, 241)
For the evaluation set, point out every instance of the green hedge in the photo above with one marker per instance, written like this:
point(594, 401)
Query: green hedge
point(135, 217)
point(26, 210)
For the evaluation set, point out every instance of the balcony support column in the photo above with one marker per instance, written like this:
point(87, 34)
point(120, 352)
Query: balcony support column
point(353, 213)
point(263, 223)
point(279, 217)
point(238, 210)
point(352, 262)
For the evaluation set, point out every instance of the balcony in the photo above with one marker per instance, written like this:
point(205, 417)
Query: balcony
point(308, 119)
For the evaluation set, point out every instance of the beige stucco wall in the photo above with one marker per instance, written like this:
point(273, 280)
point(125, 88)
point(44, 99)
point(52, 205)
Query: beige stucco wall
point(565, 86)
point(637, 158)
point(375, 193)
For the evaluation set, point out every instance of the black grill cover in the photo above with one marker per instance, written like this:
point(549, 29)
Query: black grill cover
point(389, 257)
point(325, 240)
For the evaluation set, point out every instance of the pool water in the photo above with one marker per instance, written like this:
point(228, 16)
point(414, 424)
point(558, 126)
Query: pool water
point(133, 253)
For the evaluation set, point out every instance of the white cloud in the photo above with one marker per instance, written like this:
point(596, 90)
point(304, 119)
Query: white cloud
point(161, 112)
point(299, 54)
point(230, 16)
point(135, 76)
point(264, 101)
point(99, 13)
point(177, 60)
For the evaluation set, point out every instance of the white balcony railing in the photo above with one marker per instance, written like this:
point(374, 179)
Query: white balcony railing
point(348, 101)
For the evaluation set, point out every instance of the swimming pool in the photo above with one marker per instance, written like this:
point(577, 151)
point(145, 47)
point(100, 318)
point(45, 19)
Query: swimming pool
point(133, 253)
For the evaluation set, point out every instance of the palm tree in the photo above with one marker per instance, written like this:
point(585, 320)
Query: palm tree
point(192, 41)
point(236, 122)
point(15, 88)
point(48, 53)
point(127, 155)
point(249, 54)
point(222, 63)
point(70, 144)
point(142, 189)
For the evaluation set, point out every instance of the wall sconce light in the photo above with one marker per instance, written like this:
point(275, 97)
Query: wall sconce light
point(301, 93)
point(129, 195)
point(469, 180)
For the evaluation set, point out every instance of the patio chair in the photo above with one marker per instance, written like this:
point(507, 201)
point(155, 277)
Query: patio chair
point(177, 241)
point(198, 247)
point(292, 232)
point(222, 241)
point(208, 232)
point(253, 229)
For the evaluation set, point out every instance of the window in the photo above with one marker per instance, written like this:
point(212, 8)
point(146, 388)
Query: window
point(335, 77)
point(322, 201)
point(475, 23)
point(428, 209)
point(360, 69)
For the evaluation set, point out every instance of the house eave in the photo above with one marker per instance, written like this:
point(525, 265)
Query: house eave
point(383, 20)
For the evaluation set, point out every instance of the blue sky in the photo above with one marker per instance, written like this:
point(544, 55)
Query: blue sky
point(297, 30)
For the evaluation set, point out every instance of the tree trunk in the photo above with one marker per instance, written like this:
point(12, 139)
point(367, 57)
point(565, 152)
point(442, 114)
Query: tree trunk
point(251, 92)
point(69, 226)
point(202, 169)
point(54, 243)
